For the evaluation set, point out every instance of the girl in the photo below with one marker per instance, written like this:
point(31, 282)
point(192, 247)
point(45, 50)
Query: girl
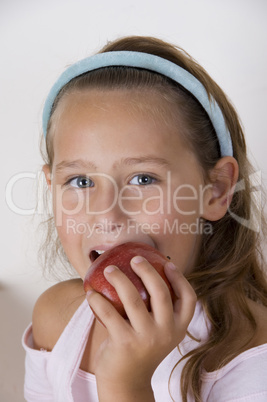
point(142, 145)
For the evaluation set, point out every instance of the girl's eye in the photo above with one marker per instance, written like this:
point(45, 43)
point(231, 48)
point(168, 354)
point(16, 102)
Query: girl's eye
point(142, 180)
point(81, 182)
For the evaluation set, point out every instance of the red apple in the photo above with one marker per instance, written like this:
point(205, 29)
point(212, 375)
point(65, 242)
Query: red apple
point(121, 256)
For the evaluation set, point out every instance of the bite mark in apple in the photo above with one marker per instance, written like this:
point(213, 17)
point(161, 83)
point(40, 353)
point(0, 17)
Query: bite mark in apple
point(121, 256)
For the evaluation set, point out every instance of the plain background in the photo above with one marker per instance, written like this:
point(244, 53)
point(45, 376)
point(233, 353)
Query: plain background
point(38, 40)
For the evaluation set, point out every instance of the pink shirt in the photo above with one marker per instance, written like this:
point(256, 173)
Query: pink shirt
point(56, 376)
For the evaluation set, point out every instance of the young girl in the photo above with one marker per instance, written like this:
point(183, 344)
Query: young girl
point(142, 145)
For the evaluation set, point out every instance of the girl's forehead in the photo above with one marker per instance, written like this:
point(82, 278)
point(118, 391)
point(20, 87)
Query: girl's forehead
point(147, 103)
point(118, 107)
point(97, 119)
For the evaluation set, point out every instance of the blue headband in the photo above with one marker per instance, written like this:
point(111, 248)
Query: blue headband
point(152, 63)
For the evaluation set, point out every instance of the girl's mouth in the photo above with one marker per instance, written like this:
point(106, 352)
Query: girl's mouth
point(94, 254)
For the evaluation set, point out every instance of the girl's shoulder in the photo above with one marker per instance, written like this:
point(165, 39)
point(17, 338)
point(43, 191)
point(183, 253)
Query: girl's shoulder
point(53, 310)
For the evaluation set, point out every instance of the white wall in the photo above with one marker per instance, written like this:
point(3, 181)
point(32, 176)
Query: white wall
point(38, 39)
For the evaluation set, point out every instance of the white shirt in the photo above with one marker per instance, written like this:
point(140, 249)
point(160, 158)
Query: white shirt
point(55, 376)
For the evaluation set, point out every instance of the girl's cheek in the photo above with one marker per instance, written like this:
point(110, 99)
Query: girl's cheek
point(67, 204)
point(70, 228)
point(157, 202)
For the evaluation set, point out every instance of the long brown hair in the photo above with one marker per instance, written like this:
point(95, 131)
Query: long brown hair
point(229, 270)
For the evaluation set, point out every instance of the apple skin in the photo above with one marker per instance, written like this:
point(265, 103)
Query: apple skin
point(121, 256)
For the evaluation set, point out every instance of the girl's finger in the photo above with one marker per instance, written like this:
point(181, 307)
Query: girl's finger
point(160, 297)
point(184, 306)
point(106, 313)
point(130, 297)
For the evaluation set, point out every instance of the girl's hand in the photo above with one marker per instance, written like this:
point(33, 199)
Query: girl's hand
point(134, 348)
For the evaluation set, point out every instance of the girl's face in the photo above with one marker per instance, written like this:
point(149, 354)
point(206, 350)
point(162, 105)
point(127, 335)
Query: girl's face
point(122, 172)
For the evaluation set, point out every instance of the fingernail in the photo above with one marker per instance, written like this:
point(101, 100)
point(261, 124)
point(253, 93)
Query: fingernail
point(88, 293)
point(110, 269)
point(170, 265)
point(137, 259)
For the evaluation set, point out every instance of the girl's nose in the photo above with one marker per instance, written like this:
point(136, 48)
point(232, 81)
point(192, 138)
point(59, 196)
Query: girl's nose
point(110, 220)
point(104, 207)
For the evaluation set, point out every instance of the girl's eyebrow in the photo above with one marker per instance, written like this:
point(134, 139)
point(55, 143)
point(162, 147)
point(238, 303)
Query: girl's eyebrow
point(86, 164)
point(74, 164)
point(144, 159)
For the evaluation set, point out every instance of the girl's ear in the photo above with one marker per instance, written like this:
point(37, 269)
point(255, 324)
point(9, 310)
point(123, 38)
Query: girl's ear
point(47, 173)
point(219, 193)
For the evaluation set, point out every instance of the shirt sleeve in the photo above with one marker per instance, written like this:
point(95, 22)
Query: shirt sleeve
point(36, 384)
point(243, 382)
